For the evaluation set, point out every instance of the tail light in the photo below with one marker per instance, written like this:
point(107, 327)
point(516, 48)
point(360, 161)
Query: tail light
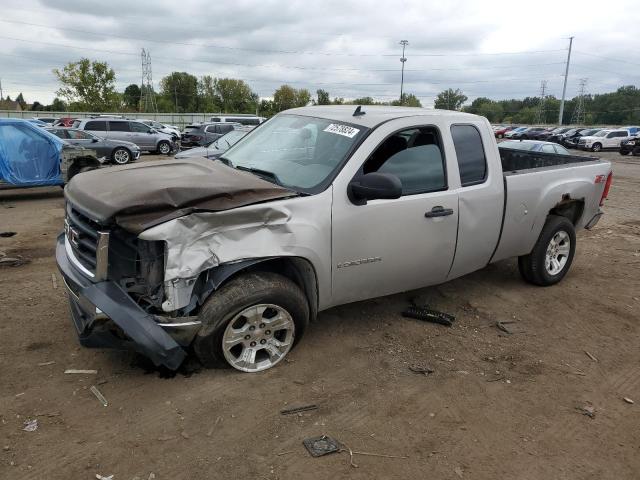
point(607, 186)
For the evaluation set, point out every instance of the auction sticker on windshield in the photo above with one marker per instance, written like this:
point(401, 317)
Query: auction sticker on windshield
point(344, 130)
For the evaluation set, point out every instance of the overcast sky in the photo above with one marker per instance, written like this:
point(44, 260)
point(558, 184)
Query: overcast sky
point(495, 49)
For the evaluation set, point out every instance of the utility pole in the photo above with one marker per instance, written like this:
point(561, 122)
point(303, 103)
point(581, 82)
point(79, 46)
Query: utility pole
point(564, 87)
point(147, 95)
point(403, 59)
point(541, 114)
point(1, 97)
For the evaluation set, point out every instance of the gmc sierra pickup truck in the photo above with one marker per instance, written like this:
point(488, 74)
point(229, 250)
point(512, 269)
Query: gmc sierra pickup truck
point(317, 207)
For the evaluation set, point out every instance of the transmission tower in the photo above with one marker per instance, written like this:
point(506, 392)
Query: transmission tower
point(579, 114)
point(147, 95)
point(541, 114)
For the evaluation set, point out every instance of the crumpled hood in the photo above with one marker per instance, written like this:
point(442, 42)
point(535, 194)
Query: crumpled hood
point(140, 196)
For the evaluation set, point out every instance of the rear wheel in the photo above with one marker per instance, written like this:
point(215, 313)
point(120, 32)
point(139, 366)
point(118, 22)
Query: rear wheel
point(552, 255)
point(596, 147)
point(636, 152)
point(251, 323)
point(121, 156)
point(624, 152)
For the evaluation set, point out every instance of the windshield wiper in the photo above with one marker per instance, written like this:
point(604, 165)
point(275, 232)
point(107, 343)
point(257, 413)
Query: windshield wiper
point(261, 173)
point(226, 161)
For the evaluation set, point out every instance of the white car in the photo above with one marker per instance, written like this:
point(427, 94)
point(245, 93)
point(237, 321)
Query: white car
point(604, 139)
point(162, 128)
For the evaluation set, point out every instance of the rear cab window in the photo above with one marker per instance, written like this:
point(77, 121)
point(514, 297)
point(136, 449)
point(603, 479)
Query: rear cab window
point(472, 161)
point(119, 127)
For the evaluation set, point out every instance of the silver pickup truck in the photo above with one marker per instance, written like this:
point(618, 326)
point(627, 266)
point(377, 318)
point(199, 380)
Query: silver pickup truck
point(317, 207)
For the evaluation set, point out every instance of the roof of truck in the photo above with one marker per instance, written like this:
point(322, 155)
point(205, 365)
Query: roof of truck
point(374, 115)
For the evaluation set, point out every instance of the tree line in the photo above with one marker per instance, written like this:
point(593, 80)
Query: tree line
point(88, 85)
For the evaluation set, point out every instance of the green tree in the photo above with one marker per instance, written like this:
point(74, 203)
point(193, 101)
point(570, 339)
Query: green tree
point(408, 100)
point(323, 97)
point(179, 91)
point(37, 106)
point(287, 97)
point(20, 100)
point(235, 96)
point(87, 85)
point(450, 99)
point(58, 105)
point(209, 101)
point(131, 96)
point(362, 101)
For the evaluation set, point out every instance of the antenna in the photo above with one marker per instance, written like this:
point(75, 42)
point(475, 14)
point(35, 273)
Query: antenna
point(541, 114)
point(579, 114)
point(147, 95)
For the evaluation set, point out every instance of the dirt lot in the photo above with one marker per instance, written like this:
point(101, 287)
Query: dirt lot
point(498, 406)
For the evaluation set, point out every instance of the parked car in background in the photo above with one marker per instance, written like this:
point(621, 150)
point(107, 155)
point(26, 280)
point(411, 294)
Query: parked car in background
point(161, 127)
point(114, 151)
point(47, 120)
point(516, 131)
point(205, 133)
point(64, 122)
point(216, 148)
point(316, 208)
point(535, 146)
point(500, 132)
point(607, 139)
point(553, 135)
point(116, 128)
point(32, 157)
point(38, 122)
point(528, 133)
point(630, 146)
point(244, 119)
point(571, 141)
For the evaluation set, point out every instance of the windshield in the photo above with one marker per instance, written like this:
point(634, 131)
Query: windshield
point(601, 133)
point(299, 152)
point(518, 145)
point(229, 139)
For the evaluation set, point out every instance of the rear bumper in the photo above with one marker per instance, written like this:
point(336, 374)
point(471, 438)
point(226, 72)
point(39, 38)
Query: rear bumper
point(105, 316)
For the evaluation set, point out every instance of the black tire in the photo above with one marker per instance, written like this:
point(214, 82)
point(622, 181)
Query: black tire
point(164, 147)
point(121, 156)
point(624, 152)
point(596, 147)
point(532, 267)
point(636, 152)
point(240, 293)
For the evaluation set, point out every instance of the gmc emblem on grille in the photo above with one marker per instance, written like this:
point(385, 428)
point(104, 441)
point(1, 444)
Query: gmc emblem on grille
point(72, 234)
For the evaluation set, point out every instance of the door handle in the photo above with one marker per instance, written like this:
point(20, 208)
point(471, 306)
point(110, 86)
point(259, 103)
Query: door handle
point(439, 211)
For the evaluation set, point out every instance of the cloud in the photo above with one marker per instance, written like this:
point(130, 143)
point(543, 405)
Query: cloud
point(347, 48)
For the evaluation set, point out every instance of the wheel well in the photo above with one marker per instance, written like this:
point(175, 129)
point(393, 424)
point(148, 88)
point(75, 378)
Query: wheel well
point(570, 208)
point(79, 163)
point(297, 269)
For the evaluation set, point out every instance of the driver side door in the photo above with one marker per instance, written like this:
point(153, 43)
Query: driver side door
point(389, 246)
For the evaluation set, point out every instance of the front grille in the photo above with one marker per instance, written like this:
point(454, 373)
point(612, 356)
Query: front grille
point(86, 238)
point(582, 141)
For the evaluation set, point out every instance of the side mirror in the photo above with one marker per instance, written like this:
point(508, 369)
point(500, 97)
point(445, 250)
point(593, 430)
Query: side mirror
point(152, 130)
point(373, 186)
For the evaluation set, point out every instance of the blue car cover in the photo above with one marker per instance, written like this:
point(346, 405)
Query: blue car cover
point(29, 155)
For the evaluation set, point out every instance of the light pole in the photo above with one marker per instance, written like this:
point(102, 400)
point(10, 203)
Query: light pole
point(403, 59)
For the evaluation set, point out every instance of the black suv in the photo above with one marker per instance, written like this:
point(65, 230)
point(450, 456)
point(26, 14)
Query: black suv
point(205, 133)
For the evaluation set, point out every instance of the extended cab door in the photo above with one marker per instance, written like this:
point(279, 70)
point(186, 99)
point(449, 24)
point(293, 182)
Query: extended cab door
point(389, 246)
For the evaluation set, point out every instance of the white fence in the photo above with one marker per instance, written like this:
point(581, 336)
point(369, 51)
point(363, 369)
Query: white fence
point(177, 119)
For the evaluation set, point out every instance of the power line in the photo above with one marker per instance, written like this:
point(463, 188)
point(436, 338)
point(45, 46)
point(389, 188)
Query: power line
point(540, 115)
point(578, 117)
point(148, 96)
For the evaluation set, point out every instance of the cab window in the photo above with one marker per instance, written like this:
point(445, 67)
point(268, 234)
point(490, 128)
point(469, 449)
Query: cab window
point(472, 162)
point(415, 157)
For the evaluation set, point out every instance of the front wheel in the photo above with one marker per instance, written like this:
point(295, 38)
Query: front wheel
point(251, 323)
point(596, 147)
point(121, 156)
point(164, 147)
point(552, 255)
point(624, 152)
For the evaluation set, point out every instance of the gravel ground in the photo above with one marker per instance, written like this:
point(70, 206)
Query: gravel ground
point(498, 405)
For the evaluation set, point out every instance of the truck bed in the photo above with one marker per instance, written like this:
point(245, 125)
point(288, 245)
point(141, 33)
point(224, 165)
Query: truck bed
point(517, 161)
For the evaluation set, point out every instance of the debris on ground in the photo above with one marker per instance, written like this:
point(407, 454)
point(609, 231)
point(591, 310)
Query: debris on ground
point(7, 234)
point(502, 325)
point(587, 410)
point(323, 445)
point(576, 371)
point(99, 396)
point(592, 357)
point(421, 369)
point(102, 477)
point(30, 425)
point(54, 281)
point(458, 471)
point(80, 372)
point(13, 261)
point(628, 400)
point(294, 410)
point(45, 364)
point(429, 315)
